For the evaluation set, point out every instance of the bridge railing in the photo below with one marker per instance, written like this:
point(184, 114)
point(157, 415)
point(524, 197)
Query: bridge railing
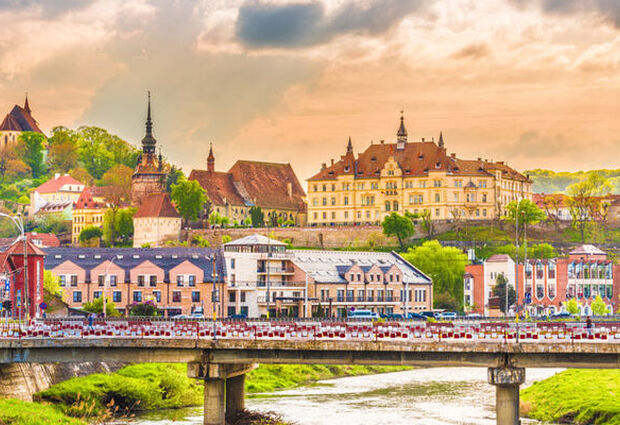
point(313, 330)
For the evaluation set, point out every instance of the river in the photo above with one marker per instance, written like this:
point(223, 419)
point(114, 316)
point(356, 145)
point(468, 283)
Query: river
point(438, 396)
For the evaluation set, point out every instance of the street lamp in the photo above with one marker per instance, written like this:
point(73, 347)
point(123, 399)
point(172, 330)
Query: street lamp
point(17, 220)
point(214, 293)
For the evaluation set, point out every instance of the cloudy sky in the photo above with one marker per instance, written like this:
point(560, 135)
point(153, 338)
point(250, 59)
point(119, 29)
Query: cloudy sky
point(532, 82)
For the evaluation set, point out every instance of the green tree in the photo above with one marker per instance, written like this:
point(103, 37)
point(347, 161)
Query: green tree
point(52, 223)
point(31, 151)
point(583, 205)
point(116, 184)
point(93, 152)
point(189, 198)
point(499, 290)
point(51, 283)
point(118, 226)
point(399, 226)
point(446, 302)
point(89, 233)
point(147, 308)
point(257, 216)
point(226, 238)
point(96, 306)
point(62, 150)
point(174, 176)
point(599, 308)
point(445, 265)
point(528, 212)
point(541, 251)
point(572, 306)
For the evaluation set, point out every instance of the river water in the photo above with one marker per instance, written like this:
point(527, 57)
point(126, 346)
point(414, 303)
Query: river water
point(438, 396)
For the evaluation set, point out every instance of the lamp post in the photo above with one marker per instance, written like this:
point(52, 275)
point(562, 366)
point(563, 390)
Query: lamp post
point(214, 293)
point(17, 220)
point(105, 280)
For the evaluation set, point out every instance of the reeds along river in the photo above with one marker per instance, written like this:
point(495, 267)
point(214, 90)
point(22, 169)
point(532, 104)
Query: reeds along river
point(439, 396)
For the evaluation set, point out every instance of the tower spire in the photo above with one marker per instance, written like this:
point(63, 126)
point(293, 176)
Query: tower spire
point(441, 145)
point(401, 135)
point(211, 159)
point(148, 142)
point(26, 104)
point(349, 146)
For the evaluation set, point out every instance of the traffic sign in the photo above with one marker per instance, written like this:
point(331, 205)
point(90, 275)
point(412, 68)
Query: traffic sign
point(43, 306)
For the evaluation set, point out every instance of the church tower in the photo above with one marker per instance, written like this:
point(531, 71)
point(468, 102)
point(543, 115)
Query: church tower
point(401, 135)
point(148, 176)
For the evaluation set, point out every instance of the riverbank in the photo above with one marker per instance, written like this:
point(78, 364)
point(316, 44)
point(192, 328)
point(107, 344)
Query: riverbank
point(157, 386)
point(589, 396)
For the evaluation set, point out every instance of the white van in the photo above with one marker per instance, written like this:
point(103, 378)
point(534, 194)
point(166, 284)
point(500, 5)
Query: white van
point(362, 314)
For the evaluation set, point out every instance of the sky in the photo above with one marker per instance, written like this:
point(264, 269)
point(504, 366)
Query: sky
point(535, 83)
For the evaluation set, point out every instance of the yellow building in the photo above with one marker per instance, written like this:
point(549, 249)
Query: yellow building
point(86, 212)
point(414, 177)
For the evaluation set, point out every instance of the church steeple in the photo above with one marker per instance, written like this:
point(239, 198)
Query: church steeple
point(401, 135)
point(349, 146)
point(211, 159)
point(149, 142)
point(27, 105)
point(441, 145)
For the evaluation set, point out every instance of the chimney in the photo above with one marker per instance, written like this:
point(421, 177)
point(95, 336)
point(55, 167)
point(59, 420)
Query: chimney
point(453, 155)
point(323, 166)
point(332, 162)
point(423, 139)
point(289, 189)
point(56, 176)
point(479, 159)
point(382, 141)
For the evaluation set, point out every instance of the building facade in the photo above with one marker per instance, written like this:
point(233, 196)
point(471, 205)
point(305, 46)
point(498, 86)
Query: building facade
point(273, 187)
point(149, 176)
point(18, 120)
point(87, 212)
point(263, 275)
point(411, 177)
point(176, 280)
point(156, 221)
point(545, 285)
point(480, 279)
point(56, 194)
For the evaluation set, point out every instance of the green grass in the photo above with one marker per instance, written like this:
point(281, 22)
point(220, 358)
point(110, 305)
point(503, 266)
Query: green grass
point(575, 396)
point(17, 412)
point(277, 377)
point(475, 233)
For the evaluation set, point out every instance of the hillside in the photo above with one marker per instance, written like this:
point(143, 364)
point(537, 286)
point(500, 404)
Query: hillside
point(547, 181)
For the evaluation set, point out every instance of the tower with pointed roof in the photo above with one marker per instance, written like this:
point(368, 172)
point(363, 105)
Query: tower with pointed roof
point(211, 160)
point(441, 144)
point(149, 176)
point(20, 119)
point(401, 135)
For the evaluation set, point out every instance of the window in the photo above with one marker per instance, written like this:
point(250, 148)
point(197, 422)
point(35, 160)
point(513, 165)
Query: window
point(315, 202)
point(232, 263)
point(117, 296)
point(137, 296)
point(74, 280)
point(242, 297)
point(346, 215)
point(231, 296)
point(192, 280)
point(113, 280)
point(153, 281)
point(324, 201)
point(437, 212)
point(157, 296)
point(359, 277)
point(333, 200)
point(231, 311)
point(180, 280)
point(333, 215)
point(195, 296)
point(437, 197)
point(97, 294)
point(140, 280)
point(77, 296)
point(244, 310)
point(176, 296)
point(484, 197)
point(346, 200)
point(388, 205)
point(63, 280)
point(101, 280)
point(436, 183)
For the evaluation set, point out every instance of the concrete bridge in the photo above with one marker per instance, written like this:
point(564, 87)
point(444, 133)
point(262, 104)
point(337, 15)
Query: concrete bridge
point(222, 362)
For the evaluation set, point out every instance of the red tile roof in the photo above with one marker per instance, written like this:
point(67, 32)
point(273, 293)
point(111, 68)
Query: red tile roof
point(54, 184)
point(19, 119)
point(47, 240)
point(247, 183)
point(18, 249)
point(86, 201)
point(416, 159)
point(156, 205)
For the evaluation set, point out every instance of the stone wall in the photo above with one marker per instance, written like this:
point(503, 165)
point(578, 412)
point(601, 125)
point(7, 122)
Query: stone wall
point(22, 380)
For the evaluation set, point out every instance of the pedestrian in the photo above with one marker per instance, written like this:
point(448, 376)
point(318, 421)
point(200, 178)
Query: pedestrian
point(589, 325)
point(91, 321)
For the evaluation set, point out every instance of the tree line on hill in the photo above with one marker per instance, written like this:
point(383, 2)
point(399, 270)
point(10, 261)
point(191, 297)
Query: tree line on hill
point(547, 181)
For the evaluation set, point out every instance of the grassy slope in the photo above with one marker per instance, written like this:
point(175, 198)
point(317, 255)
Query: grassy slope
point(17, 412)
point(575, 396)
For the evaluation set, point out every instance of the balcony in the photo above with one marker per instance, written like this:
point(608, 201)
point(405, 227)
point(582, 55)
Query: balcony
point(279, 284)
point(275, 270)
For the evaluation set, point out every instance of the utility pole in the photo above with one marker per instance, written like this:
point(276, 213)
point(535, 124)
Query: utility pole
point(516, 264)
point(267, 264)
point(306, 298)
point(214, 294)
point(105, 280)
point(26, 299)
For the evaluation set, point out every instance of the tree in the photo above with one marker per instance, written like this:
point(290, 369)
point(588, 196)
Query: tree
point(599, 308)
point(93, 152)
point(399, 226)
point(528, 212)
point(189, 198)
point(82, 175)
point(116, 184)
point(96, 306)
point(16, 169)
point(582, 203)
point(552, 205)
point(90, 236)
point(572, 306)
point(52, 223)
point(226, 239)
point(257, 216)
point(51, 283)
point(118, 226)
point(174, 176)
point(31, 151)
point(499, 290)
point(62, 156)
point(446, 302)
point(147, 308)
point(444, 265)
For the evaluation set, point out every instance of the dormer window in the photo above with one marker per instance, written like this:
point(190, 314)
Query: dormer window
point(374, 158)
point(420, 157)
point(346, 168)
point(438, 165)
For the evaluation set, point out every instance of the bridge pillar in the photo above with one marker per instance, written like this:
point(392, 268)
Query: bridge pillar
point(235, 395)
point(215, 401)
point(507, 381)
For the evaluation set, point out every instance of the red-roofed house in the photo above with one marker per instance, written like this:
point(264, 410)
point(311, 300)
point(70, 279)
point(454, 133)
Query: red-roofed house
point(273, 187)
point(87, 211)
point(156, 221)
point(60, 190)
point(412, 177)
point(15, 122)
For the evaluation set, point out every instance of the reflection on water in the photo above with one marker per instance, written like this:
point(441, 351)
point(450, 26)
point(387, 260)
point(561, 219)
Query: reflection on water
point(439, 396)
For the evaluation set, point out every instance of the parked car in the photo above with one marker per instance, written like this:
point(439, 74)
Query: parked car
point(393, 316)
point(428, 314)
point(416, 316)
point(561, 315)
point(474, 316)
point(447, 315)
point(362, 314)
point(238, 316)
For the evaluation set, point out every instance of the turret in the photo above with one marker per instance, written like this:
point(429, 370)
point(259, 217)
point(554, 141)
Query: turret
point(401, 135)
point(211, 160)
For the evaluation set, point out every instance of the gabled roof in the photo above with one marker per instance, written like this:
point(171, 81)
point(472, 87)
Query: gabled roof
point(499, 258)
point(19, 119)
point(18, 249)
point(54, 184)
point(587, 249)
point(45, 239)
point(156, 205)
point(255, 239)
point(219, 187)
point(86, 201)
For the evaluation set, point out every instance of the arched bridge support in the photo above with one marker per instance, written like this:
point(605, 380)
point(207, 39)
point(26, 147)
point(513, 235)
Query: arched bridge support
point(224, 389)
point(507, 380)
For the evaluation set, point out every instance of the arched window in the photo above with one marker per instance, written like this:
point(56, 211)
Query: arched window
point(387, 205)
point(395, 206)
